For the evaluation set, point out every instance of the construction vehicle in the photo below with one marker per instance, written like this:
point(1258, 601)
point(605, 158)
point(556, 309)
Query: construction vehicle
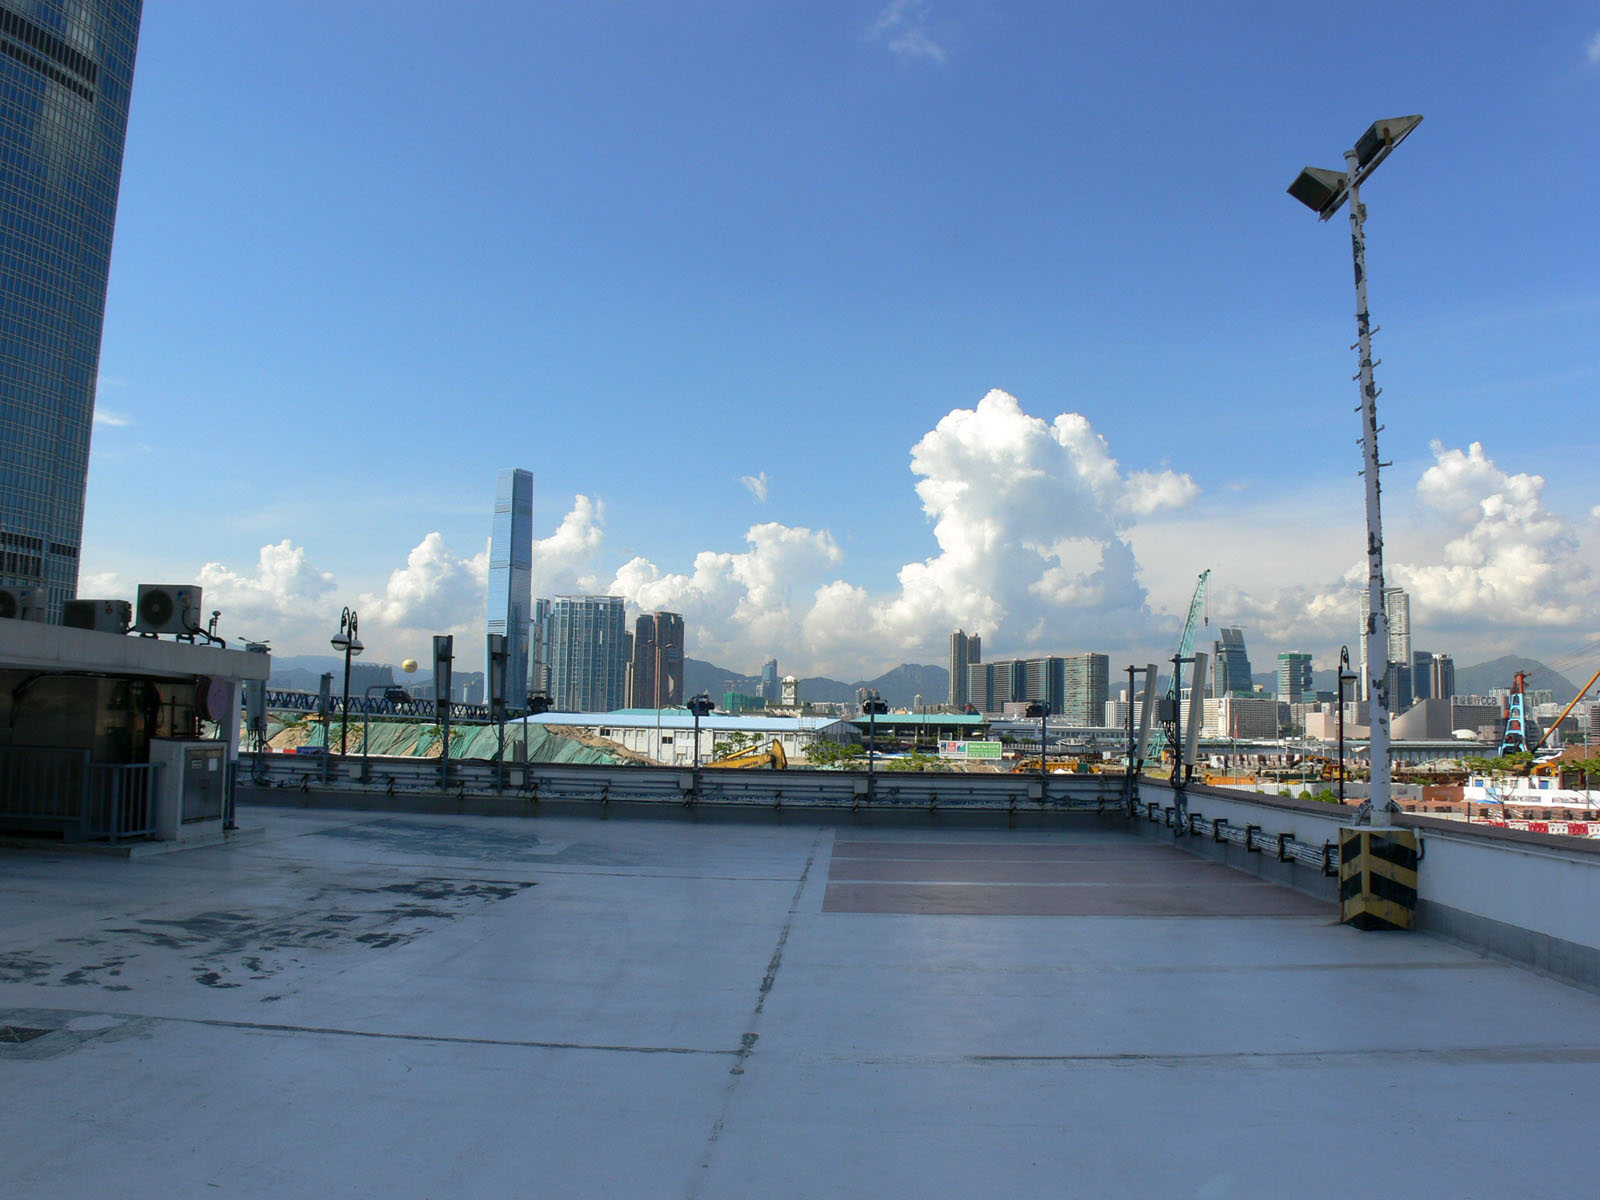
point(770, 756)
point(1056, 766)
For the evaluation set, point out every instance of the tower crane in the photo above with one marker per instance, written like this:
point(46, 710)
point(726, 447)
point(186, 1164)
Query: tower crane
point(1197, 607)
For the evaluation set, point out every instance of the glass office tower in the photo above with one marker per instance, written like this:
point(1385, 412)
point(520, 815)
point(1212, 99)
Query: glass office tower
point(511, 578)
point(66, 69)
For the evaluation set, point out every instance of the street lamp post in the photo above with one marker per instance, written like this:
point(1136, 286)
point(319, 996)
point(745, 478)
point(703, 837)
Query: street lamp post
point(1323, 191)
point(699, 706)
point(874, 705)
point(1042, 711)
point(1346, 675)
point(347, 641)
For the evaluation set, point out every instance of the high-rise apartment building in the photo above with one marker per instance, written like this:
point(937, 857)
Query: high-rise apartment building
point(66, 70)
point(1045, 682)
point(964, 651)
point(1397, 612)
point(1294, 678)
point(1230, 665)
point(588, 653)
point(511, 578)
point(1086, 686)
point(539, 679)
point(991, 686)
point(657, 660)
point(1442, 677)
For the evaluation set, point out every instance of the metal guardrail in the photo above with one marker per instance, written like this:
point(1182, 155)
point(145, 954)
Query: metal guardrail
point(1284, 846)
point(60, 789)
point(795, 788)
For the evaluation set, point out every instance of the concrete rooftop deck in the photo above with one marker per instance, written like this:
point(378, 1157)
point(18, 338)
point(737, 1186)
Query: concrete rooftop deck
point(414, 1006)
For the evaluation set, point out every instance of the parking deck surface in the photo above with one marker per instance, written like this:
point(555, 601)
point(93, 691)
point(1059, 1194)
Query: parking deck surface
point(414, 1006)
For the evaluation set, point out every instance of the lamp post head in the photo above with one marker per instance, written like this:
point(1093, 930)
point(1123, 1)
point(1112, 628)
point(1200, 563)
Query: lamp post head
point(700, 705)
point(1323, 190)
point(341, 641)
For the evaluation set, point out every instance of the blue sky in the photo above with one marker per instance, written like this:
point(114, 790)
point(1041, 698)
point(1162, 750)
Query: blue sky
point(722, 266)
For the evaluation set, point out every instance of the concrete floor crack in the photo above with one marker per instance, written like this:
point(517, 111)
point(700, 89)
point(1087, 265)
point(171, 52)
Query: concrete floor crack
point(747, 1041)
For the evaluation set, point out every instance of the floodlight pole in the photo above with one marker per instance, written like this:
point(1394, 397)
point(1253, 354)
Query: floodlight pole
point(1377, 631)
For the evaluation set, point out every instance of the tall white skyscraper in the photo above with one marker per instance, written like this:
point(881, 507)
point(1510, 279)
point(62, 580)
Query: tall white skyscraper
point(511, 578)
point(1397, 612)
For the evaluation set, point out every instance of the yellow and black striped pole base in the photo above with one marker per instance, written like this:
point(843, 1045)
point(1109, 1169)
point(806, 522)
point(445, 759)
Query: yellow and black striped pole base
point(1378, 878)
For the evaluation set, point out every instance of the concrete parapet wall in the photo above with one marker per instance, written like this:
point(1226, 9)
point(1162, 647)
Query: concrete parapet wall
point(1532, 898)
point(1308, 822)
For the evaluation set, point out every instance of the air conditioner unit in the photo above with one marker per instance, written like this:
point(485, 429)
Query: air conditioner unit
point(21, 604)
point(167, 608)
point(103, 616)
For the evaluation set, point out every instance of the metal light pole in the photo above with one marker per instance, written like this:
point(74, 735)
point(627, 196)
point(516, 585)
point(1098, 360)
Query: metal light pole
point(1324, 191)
point(443, 660)
point(347, 641)
point(1346, 675)
point(874, 705)
point(1042, 711)
point(700, 706)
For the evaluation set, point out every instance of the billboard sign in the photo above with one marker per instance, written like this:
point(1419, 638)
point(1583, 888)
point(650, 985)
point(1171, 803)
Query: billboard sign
point(970, 751)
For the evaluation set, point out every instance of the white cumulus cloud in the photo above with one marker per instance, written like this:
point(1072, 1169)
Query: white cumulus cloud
point(1509, 553)
point(283, 590)
point(1029, 518)
point(1506, 570)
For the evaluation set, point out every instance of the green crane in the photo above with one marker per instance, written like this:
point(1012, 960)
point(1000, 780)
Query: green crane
point(1168, 730)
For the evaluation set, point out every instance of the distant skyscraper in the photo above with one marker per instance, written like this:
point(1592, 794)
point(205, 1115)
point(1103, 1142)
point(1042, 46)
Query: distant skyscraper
point(1087, 687)
point(991, 686)
point(66, 69)
point(1231, 665)
point(964, 651)
point(1294, 678)
point(768, 687)
point(657, 660)
point(1397, 612)
point(1045, 682)
point(539, 681)
point(588, 653)
point(511, 577)
point(1442, 677)
point(1422, 675)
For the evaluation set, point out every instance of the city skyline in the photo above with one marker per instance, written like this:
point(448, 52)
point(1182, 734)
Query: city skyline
point(257, 272)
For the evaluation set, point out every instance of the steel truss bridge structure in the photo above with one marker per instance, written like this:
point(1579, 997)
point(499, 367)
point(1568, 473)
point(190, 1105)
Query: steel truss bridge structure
point(374, 706)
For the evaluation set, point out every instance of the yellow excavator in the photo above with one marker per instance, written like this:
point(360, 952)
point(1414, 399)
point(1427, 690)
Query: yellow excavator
point(769, 756)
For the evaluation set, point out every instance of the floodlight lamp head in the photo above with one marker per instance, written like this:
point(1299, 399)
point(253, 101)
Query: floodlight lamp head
point(1321, 190)
point(1381, 137)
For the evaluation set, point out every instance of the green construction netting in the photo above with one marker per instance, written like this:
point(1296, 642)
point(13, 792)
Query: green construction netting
point(415, 739)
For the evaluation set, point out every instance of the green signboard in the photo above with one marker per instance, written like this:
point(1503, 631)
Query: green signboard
point(970, 750)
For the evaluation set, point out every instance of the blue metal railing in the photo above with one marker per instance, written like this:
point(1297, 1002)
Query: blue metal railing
point(52, 788)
